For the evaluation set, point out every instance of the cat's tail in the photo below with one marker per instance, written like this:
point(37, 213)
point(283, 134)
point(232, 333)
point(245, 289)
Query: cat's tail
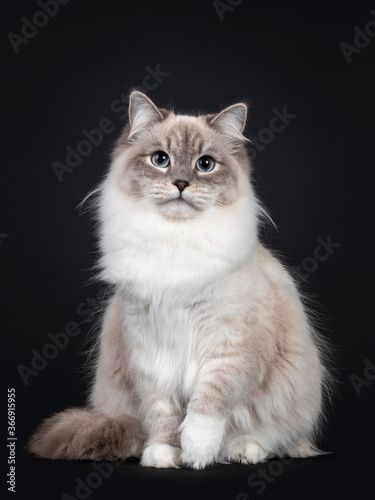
point(82, 434)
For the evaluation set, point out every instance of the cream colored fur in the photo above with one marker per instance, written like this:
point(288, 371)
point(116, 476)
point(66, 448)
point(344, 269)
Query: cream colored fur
point(205, 341)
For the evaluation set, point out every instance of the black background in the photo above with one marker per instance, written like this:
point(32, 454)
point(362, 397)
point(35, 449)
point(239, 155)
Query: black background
point(315, 177)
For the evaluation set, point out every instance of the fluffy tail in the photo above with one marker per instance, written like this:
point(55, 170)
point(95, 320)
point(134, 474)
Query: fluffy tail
point(81, 434)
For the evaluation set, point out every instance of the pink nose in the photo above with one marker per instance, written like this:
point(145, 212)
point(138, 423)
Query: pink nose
point(181, 185)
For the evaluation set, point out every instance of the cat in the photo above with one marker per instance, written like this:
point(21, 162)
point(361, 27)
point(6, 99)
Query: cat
point(206, 351)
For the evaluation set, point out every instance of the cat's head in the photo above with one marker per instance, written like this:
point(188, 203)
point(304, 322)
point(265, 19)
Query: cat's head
point(182, 165)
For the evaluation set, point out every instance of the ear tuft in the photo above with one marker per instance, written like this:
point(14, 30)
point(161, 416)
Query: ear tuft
point(231, 120)
point(142, 113)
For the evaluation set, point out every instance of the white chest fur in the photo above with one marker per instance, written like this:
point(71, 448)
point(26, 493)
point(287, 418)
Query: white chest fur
point(151, 255)
point(168, 271)
point(163, 343)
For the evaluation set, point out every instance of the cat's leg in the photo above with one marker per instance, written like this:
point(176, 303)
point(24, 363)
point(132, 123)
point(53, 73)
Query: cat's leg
point(218, 389)
point(244, 449)
point(242, 443)
point(275, 422)
point(281, 417)
point(109, 428)
point(162, 420)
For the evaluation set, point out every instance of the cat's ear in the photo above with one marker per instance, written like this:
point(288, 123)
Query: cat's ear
point(231, 120)
point(142, 113)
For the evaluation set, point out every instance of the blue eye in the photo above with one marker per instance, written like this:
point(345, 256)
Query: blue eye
point(205, 164)
point(160, 159)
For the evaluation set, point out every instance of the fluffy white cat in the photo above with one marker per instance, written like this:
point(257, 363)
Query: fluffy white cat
point(206, 352)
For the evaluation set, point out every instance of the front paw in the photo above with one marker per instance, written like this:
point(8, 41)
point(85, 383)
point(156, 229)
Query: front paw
point(201, 439)
point(161, 456)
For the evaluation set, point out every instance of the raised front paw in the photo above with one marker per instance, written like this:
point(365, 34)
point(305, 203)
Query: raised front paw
point(201, 439)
